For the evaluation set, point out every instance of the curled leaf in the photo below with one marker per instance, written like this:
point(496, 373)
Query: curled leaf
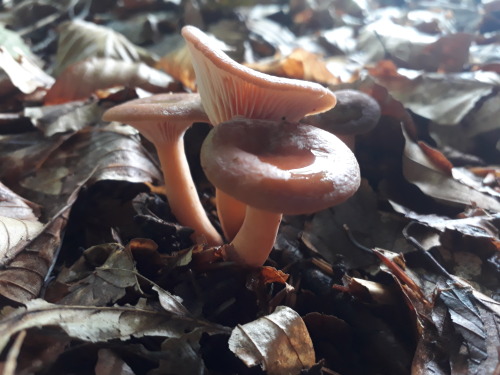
point(279, 342)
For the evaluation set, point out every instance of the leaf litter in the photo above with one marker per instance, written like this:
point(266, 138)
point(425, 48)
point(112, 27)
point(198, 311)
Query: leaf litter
point(401, 279)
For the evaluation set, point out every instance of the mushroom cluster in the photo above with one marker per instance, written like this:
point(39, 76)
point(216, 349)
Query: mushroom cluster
point(229, 89)
point(262, 161)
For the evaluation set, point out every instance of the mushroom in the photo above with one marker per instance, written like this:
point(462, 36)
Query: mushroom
point(163, 119)
point(355, 113)
point(230, 89)
point(275, 168)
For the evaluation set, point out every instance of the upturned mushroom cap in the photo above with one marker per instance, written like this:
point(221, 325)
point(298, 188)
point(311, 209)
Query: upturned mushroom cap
point(230, 89)
point(354, 113)
point(283, 167)
point(149, 115)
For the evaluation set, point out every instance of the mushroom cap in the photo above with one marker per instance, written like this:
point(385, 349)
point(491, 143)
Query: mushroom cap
point(355, 113)
point(281, 167)
point(230, 89)
point(159, 117)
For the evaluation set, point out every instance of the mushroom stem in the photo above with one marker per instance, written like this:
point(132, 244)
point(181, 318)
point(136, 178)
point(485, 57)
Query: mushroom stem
point(256, 237)
point(231, 213)
point(182, 195)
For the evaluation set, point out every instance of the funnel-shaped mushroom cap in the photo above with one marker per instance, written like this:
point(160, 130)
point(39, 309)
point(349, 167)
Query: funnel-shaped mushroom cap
point(230, 89)
point(151, 115)
point(282, 167)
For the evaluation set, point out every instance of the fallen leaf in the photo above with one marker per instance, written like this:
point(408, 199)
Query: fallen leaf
point(18, 224)
point(80, 80)
point(279, 342)
point(109, 363)
point(24, 73)
point(421, 171)
point(22, 278)
point(101, 276)
point(299, 64)
point(181, 356)
point(80, 40)
point(178, 64)
point(64, 118)
point(457, 94)
point(100, 324)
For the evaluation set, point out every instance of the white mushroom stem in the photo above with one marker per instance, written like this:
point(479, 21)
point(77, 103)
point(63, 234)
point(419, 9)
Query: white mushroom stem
point(255, 239)
point(182, 195)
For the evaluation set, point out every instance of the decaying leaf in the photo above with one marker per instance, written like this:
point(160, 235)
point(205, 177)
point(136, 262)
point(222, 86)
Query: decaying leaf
point(64, 118)
point(279, 342)
point(182, 356)
point(419, 169)
point(109, 363)
point(18, 224)
point(100, 277)
point(456, 94)
point(178, 64)
point(100, 324)
point(299, 64)
point(80, 80)
point(80, 40)
point(24, 73)
point(23, 276)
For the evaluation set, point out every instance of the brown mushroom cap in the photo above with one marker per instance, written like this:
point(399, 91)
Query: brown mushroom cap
point(284, 167)
point(149, 115)
point(230, 89)
point(354, 113)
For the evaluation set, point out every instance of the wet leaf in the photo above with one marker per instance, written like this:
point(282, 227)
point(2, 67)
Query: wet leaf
point(279, 342)
point(82, 79)
point(178, 64)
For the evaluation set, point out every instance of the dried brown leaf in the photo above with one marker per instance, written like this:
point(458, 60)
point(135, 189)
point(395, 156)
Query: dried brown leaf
point(300, 64)
point(24, 275)
point(84, 158)
point(18, 224)
point(457, 94)
point(63, 118)
point(100, 324)
point(80, 80)
point(178, 64)
point(26, 75)
point(181, 356)
point(80, 40)
point(279, 342)
point(103, 275)
point(109, 363)
point(421, 171)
